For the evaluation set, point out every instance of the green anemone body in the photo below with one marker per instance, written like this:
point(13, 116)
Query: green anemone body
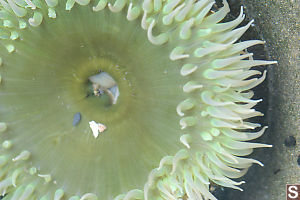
point(179, 124)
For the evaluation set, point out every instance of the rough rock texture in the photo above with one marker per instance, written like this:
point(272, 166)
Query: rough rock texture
point(277, 22)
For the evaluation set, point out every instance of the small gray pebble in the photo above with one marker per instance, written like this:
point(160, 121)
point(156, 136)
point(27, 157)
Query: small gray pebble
point(290, 141)
point(76, 119)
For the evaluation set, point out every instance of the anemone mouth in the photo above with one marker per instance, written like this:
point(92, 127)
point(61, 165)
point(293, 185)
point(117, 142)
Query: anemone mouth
point(164, 79)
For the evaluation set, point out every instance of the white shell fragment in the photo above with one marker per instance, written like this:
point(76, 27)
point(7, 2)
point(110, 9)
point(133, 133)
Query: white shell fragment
point(96, 128)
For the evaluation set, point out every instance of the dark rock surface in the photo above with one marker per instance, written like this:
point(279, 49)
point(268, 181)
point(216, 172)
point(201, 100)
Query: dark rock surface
point(277, 22)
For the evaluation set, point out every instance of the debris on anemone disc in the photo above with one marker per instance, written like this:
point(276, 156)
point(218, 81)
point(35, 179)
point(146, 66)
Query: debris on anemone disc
point(175, 107)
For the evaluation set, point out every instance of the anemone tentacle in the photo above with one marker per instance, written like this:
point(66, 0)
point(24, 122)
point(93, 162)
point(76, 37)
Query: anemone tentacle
point(218, 78)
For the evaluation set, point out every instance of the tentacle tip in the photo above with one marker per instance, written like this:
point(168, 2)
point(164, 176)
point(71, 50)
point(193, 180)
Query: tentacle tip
point(259, 163)
point(185, 142)
point(274, 62)
point(180, 113)
point(242, 9)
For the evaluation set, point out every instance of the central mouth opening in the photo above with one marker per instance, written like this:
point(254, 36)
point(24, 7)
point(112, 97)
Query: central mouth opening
point(104, 87)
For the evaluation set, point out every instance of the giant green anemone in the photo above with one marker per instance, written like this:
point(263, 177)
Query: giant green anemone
point(124, 99)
